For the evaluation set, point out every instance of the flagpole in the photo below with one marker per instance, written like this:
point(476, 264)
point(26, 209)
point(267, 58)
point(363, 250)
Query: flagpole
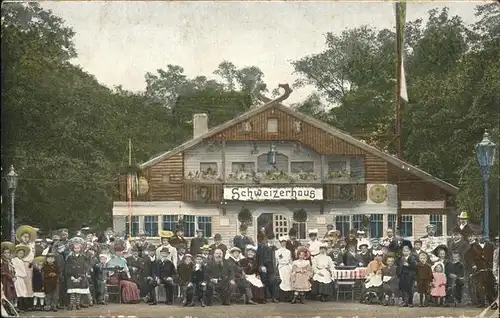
point(399, 62)
point(129, 188)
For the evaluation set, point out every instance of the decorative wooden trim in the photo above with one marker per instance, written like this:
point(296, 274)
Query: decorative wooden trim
point(423, 204)
point(345, 192)
point(444, 211)
point(223, 161)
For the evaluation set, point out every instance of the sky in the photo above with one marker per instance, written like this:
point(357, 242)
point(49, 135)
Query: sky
point(119, 42)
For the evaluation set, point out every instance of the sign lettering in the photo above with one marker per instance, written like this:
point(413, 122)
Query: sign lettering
point(272, 194)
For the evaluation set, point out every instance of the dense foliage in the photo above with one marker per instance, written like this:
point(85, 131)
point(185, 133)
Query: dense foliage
point(67, 135)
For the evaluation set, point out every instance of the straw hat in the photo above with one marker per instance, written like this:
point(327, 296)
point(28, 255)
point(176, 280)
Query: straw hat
point(463, 215)
point(234, 249)
point(40, 259)
point(250, 248)
point(23, 229)
point(7, 245)
point(205, 248)
point(24, 248)
point(166, 234)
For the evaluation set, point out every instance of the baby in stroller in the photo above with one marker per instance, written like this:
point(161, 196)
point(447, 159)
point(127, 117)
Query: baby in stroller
point(372, 289)
point(390, 285)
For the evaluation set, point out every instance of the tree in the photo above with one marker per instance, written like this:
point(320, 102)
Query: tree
point(453, 78)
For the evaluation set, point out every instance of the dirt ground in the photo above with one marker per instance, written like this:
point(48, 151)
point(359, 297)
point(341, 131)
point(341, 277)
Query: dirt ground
point(311, 309)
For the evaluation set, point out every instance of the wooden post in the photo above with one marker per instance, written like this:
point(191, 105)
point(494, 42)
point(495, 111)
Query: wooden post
point(129, 188)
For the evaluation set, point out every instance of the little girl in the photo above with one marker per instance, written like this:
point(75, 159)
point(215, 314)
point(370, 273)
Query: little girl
point(37, 283)
point(438, 291)
point(301, 275)
point(19, 283)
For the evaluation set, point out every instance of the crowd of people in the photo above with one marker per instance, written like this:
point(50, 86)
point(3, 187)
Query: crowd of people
point(70, 273)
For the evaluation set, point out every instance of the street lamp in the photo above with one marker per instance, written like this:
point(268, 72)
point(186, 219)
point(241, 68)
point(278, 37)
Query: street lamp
point(485, 155)
point(12, 185)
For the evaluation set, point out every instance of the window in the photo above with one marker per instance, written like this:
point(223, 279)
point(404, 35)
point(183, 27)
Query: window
point(343, 224)
point(272, 125)
point(376, 225)
point(392, 222)
point(281, 163)
point(357, 222)
point(406, 225)
point(302, 166)
point(205, 224)
point(357, 167)
point(301, 228)
point(248, 167)
point(208, 168)
point(165, 178)
point(338, 165)
point(151, 225)
point(170, 222)
point(192, 223)
point(437, 220)
point(189, 226)
point(134, 229)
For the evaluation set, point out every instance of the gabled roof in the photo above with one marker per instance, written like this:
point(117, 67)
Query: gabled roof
point(314, 122)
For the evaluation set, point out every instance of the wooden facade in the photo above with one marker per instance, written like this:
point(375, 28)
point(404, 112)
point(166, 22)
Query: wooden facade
point(166, 181)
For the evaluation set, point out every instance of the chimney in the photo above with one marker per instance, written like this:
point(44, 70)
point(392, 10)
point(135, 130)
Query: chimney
point(200, 125)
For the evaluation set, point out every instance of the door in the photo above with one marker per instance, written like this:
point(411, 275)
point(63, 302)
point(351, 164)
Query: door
point(276, 223)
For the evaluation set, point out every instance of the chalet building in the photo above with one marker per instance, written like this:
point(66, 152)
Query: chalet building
point(271, 166)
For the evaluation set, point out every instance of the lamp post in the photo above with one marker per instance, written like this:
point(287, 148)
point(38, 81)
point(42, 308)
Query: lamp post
point(12, 185)
point(485, 155)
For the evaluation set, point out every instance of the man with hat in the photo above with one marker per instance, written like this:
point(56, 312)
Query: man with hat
point(242, 240)
point(267, 263)
point(178, 237)
point(197, 243)
point(479, 257)
point(351, 239)
point(293, 244)
point(163, 273)
point(457, 243)
point(463, 225)
point(135, 265)
point(218, 244)
point(142, 244)
point(329, 228)
point(146, 275)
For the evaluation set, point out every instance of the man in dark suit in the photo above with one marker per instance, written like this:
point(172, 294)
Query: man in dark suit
point(197, 243)
point(242, 240)
point(142, 243)
point(218, 245)
point(457, 243)
point(293, 244)
point(266, 260)
point(220, 276)
point(480, 258)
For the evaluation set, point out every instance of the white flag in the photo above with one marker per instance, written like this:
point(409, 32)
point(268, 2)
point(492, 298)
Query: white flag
point(403, 92)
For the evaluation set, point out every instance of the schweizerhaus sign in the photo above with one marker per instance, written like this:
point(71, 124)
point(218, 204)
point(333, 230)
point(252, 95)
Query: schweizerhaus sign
point(272, 194)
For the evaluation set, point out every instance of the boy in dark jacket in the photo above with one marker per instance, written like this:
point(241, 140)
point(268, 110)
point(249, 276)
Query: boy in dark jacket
point(199, 282)
point(424, 278)
point(51, 274)
point(455, 274)
point(100, 276)
point(185, 271)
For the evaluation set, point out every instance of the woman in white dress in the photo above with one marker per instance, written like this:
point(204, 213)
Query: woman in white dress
point(323, 268)
point(284, 261)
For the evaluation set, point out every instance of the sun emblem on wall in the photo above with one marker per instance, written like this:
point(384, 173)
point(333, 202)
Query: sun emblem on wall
point(378, 193)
